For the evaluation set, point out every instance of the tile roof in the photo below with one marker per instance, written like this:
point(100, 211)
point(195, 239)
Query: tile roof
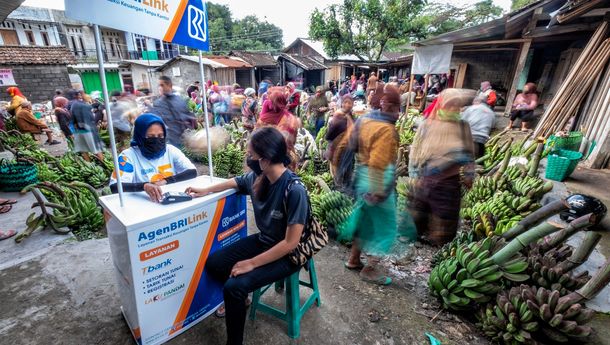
point(229, 62)
point(256, 59)
point(32, 55)
point(305, 62)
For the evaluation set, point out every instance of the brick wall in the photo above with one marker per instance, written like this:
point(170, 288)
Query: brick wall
point(38, 82)
point(496, 67)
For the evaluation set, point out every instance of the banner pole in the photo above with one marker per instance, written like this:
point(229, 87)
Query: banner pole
point(102, 72)
point(205, 113)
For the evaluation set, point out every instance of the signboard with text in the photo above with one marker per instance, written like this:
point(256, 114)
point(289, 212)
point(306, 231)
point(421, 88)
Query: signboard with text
point(6, 77)
point(178, 21)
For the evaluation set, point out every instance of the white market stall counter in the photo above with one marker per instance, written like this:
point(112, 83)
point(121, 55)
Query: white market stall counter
point(159, 254)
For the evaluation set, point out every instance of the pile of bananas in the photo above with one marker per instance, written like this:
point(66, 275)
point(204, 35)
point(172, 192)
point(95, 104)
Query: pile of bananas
point(46, 173)
point(508, 321)
point(229, 161)
point(74, 206)
point(473, 275)
point(74, 168)
point(449, 249)
point(545, 269)
point(561, 319)
point(532, 187)
point(483, 189)
point(334, 208)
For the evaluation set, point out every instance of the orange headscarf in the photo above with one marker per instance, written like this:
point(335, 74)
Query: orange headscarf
point(14, 91)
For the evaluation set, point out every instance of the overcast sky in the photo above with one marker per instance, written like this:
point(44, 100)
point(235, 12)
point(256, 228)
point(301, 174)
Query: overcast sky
point(291, 16)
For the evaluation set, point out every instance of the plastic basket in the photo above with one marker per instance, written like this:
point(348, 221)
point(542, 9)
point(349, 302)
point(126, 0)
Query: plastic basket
point(571, 142)
point(561, 164)
point(14, 176)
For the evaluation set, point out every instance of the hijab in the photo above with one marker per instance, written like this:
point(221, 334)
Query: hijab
point(14, 91)
point(275, 107)
point(141, 125)
point(60, 102)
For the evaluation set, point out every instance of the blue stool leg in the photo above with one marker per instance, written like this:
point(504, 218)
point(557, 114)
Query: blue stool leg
point(313, 279)
point(293, 306)
point(256, 296)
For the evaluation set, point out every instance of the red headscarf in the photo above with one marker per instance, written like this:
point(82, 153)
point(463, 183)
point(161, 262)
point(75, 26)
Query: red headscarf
point(275, 107)
point(14, 91)
point(60, 102)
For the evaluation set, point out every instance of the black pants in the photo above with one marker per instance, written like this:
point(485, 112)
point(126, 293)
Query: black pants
point(236, 289)
point(524, 115)
point(479, 150)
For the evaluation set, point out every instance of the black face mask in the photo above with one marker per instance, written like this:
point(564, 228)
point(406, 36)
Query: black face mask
point(254, 165)
point(153, 147)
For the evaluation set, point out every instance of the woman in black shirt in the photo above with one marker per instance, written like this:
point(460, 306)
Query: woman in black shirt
point(280, 211)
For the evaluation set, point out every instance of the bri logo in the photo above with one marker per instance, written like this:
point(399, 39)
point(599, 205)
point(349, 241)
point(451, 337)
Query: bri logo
point(150, 269)
point(197, 27)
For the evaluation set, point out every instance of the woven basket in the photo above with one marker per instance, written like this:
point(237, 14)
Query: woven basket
point(14, 176)
point(571, 142)
point(561, 164)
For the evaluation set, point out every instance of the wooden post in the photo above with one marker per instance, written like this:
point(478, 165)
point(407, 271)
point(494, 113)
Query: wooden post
point(525, 47)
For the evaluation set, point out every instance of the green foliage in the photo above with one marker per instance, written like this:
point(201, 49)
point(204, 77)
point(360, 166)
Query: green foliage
point(248, 33)
point(229, 162)
point(517, 4)
point(364, 27)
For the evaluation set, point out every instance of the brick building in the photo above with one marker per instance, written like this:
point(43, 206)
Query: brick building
point(37, 71)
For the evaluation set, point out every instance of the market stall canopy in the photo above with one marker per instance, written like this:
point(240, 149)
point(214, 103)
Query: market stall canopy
point(304, 62)
point(8, 6)
point(432, 59)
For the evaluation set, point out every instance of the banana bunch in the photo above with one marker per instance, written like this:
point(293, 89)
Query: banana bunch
point(75, 168)
point(46, 173)
point(509, 320)
point(561, 319)
point(515, 171)
point(449, 249)
point(335, 208)
point(545, 271)
point(532, 187)
point(34, 223)
point(494, 153)
point(229, 161)
point(505, 224)
point(470, 277)
point(483, 189)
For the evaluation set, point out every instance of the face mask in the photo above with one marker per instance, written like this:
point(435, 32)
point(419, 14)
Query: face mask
point(154, 145)
point(254, 165)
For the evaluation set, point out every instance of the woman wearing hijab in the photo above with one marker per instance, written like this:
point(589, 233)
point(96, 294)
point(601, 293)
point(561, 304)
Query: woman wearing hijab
point(523, 107)
point(248, 109)
point(293, 98)
point(442, 150)
point(150, 162)
point(86, 137)
point(16, 99)
point(63, 116)
point(489, 92)
point(317, 107)
point(339, 128)
point(372, 224)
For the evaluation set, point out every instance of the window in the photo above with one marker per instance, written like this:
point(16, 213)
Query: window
point(45, 38)
point(82, 45)
point(74, 47)
point(112, 47)
point(118, 47)
point(140, 43)
point(30, 37)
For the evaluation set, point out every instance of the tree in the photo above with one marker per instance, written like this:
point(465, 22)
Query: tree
point(365, 27)
point(439, 18)
point(517, 4)
point(249, 33)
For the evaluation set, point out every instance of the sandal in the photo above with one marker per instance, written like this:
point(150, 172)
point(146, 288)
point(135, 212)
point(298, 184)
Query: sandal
point(5, 208)
point(4, 234)
point(53, 142)
point(353, 267)
point(221, 311)
point(382, 280)
point(7, 202)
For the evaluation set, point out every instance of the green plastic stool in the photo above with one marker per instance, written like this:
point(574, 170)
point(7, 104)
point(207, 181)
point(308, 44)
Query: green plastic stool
point(294, 311)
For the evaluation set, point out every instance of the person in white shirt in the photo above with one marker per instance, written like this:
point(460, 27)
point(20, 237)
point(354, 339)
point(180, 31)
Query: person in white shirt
point(481, 119)
point(150, 162)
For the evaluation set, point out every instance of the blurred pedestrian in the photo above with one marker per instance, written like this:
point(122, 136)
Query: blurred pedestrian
point(317, 106)
point(441, 152)
point(28, 123)
point(372, 224)
point(339, 129)
point(119, 110)
point(193, 88)
point(63, 116)
point(248, 110)
point(372, 82)
point(174, 112)
point(86, 137)
point(293, 98)
point(481, 120)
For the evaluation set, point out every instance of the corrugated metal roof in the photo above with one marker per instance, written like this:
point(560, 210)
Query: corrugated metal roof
point(230, 62)
point(256, 59)
point(8, 6)
point(146, 63)
point(305, 62)
point(211, 61)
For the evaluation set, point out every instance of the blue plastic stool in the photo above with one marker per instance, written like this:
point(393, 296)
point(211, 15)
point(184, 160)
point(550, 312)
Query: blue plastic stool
point(294, 311)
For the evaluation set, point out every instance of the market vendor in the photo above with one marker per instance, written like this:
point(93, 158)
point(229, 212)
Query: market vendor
point(280, 207)
point(16, 99)
point(28, 123)
point(150, 162)
point(523, 107)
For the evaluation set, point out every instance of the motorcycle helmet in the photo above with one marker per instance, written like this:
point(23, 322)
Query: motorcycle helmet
point(580, 205)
